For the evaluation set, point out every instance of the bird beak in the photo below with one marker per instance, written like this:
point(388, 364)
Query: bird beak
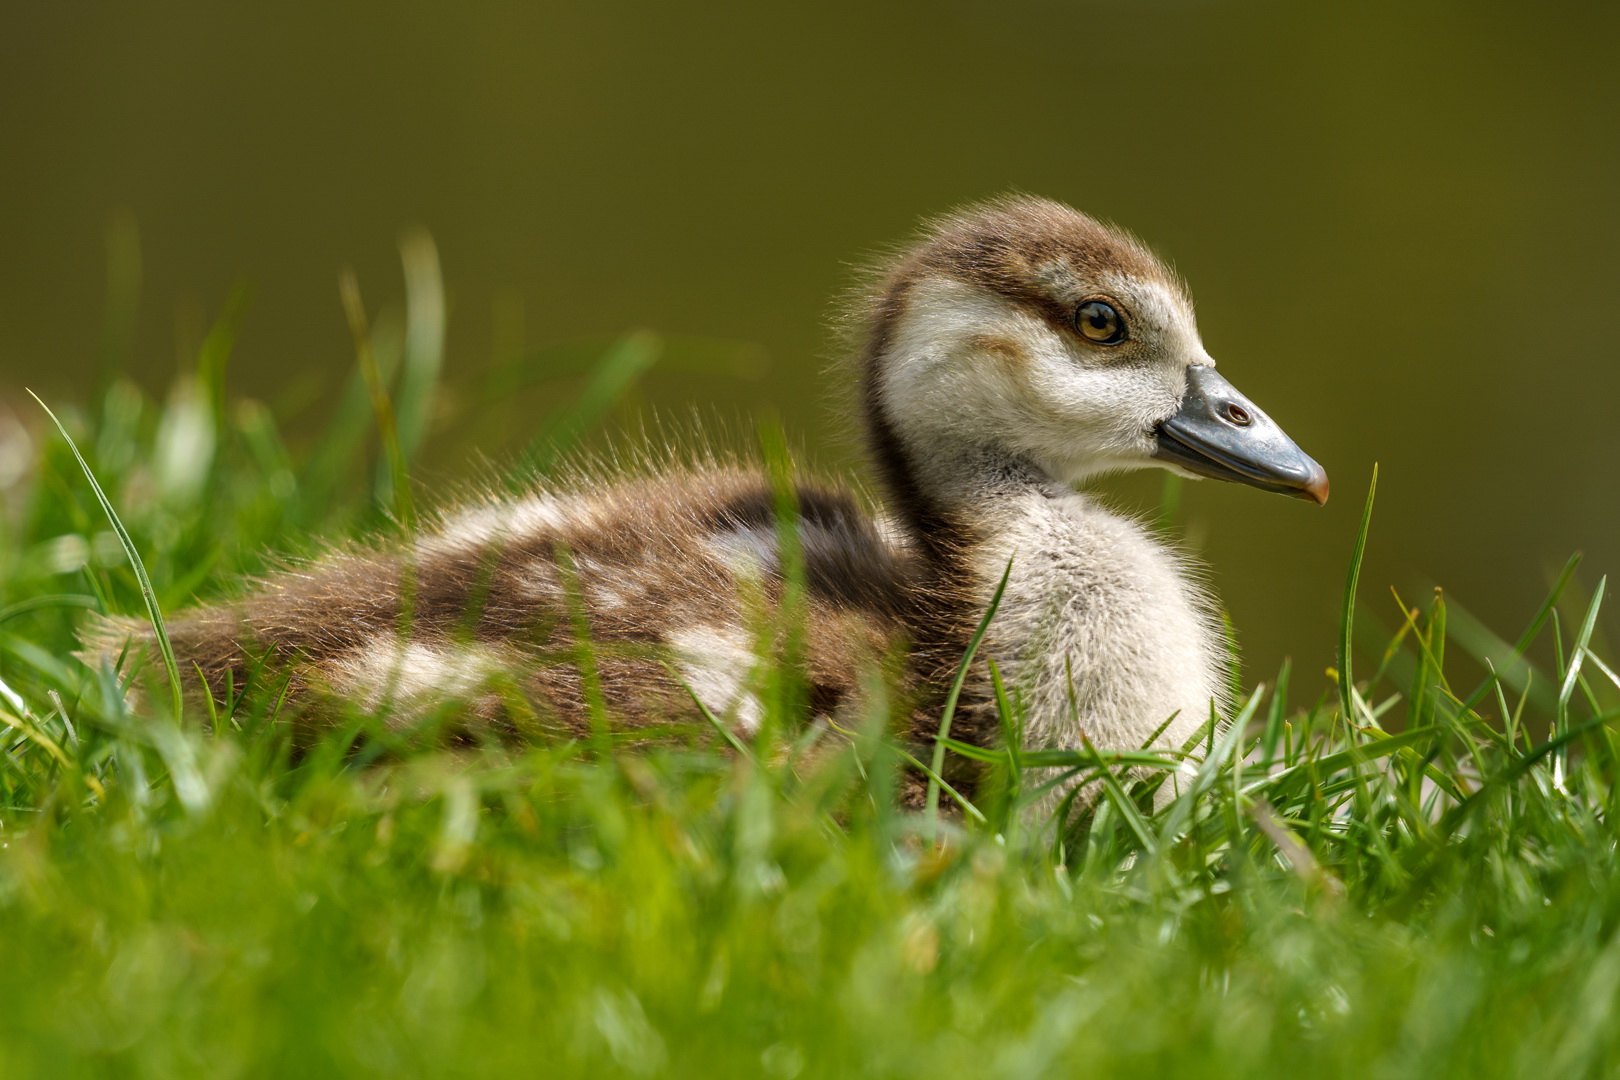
point(1221, 434)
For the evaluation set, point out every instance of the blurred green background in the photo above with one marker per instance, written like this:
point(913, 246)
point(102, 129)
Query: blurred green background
point(1399, 220)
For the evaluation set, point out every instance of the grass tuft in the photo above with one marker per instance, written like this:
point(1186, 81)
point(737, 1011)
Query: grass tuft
point(1410, 875)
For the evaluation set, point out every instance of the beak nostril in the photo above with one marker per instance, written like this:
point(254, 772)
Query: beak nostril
point(1238, 415)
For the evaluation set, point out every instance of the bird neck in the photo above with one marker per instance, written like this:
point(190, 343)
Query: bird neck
point(947, 490)
point(971, 477)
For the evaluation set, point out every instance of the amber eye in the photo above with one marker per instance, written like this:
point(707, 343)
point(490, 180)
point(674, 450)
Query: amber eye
point(1098, 322)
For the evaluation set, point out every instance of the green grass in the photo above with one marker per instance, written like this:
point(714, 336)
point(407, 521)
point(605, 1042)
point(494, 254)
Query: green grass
point(1396, 876)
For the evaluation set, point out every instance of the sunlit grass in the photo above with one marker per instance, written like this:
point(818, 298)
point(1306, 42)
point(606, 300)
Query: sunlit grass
point(1389, 875)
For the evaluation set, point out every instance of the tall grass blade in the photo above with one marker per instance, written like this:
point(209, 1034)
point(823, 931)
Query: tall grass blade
point(148, 595)
point(1276, 716)
point(1582, 640)
point(931, 805)
point(1347, 616)
point(1012, 738)
point(424, 339)
point(1572, 676)
point(398, 488)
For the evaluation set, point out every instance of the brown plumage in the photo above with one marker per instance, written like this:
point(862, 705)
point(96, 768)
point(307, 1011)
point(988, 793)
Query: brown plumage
point(674, 576)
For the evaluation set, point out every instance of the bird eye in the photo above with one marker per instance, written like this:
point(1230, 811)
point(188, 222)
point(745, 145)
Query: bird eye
point(1098, 322)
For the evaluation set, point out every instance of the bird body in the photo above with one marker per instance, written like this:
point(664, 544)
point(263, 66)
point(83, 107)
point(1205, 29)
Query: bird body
point(1013, 351)
point(667, 578)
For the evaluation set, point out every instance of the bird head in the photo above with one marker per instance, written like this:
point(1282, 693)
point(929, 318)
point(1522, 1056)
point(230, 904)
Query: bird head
point(1028, 329)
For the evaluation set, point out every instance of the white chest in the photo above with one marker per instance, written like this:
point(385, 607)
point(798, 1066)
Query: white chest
point(1100, 630)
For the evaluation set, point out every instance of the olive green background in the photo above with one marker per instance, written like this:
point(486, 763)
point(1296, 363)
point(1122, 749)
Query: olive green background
point(1399, 219)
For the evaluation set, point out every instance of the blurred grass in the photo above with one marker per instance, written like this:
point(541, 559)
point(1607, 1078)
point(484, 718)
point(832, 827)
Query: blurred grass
point(1403, 877)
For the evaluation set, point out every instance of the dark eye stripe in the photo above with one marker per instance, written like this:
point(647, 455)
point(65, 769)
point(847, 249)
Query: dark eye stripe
point(1099, 322)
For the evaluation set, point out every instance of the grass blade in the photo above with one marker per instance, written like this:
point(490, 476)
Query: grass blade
point(1582, 640)
point(1571, 676)
point(399, 485)
point(424, 338)
point(931, 805)
point(153, 614)
point(1347, 616)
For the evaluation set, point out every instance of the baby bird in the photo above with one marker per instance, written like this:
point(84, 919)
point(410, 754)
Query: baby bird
point(1014, 350)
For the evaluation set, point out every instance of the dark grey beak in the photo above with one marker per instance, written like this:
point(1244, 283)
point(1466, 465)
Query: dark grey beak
point(1222, 434)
